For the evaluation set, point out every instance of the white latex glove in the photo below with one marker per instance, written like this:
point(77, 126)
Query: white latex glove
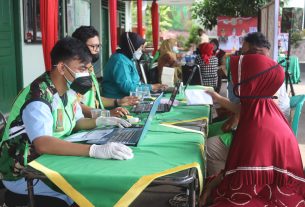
point(111, 150)
point(111, 121)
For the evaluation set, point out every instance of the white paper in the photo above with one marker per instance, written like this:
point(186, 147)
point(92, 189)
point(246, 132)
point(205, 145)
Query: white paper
point(197, 97)
point(91, 135)
point(167, 76)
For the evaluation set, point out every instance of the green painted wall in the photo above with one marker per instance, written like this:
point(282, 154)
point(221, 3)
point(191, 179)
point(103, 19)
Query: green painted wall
point(9, 54)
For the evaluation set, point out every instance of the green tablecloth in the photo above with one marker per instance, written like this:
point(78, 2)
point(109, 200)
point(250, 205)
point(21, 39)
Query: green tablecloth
point(294, 68)
point(164, 150)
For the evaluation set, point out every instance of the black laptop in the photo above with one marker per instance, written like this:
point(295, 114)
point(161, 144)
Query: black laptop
point(145, 107)
point(190, 78)
point(128, 136)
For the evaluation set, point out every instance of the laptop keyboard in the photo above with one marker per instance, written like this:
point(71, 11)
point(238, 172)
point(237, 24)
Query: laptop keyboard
point(147, 108)
point(143, 107)
point(126, 136)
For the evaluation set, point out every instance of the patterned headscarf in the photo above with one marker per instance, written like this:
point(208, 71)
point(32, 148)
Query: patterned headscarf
point(206, 52)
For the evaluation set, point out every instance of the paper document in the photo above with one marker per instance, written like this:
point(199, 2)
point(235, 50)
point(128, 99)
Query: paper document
point(197, 97)
point(89, 135)
point(167, 76)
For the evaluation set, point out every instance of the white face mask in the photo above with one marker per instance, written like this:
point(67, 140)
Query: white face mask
point(175, 49)
point(77, 75)
point(137, 54)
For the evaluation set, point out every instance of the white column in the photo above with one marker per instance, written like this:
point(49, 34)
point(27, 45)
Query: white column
point(128, 17)
point(96, 22)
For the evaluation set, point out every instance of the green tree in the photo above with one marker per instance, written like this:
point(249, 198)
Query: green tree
point(193, 37)
point(165, 21)
point(206, 11)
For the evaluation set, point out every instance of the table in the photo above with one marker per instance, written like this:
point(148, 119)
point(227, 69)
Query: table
point(165, 150)
point(294, 68)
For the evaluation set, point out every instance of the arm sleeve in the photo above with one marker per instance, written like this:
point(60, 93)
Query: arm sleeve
point(38, 120)
point(123, 77)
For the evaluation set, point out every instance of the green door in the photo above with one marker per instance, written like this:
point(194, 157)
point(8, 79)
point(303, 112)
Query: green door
point(105, 36)
point(8, 72)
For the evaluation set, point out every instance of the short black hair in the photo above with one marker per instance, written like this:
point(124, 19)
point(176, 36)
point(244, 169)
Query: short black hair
point(200, 30)
point(70, 48)
point(257, 39)
point(83, 33)
point(215, 41)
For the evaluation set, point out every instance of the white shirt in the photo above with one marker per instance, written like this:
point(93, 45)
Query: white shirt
point(38, 119)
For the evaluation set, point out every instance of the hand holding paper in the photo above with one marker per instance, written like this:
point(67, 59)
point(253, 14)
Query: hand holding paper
point(167, 76)
point(198, 97)
point(215, 96)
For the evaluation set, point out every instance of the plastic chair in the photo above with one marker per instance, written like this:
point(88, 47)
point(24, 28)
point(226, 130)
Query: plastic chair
point(12, 199)
point(296, 104)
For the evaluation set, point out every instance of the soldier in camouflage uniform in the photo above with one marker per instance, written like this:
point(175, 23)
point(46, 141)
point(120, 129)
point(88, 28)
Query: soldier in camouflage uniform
point(47, 111)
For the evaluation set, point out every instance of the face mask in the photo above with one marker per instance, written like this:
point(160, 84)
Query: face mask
point(95, 57)
point(137, 54)
point(175, 49)
point(82, 82)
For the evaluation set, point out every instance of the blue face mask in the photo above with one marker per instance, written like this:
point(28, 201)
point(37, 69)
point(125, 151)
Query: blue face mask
point(175, 49)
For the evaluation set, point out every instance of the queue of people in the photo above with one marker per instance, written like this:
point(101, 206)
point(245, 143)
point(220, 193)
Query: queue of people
point(260, 167)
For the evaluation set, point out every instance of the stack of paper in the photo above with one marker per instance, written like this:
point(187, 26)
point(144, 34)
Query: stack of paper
point(168, 76)
point(197, 97)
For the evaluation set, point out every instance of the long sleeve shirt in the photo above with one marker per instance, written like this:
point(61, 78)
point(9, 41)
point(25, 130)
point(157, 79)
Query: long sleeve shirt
point(120, 77)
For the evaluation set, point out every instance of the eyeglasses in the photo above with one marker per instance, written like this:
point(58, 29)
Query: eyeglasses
point(95, 47)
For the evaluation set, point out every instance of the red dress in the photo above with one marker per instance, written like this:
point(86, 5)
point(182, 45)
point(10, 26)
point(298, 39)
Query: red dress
point(264, 166)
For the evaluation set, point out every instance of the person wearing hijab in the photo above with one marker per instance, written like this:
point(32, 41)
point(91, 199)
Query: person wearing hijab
point(166, 56)
point(120, 73)
point(208, 65)
point(221, 135)
point(93, 99)
point(264, 166)
point(221, 56)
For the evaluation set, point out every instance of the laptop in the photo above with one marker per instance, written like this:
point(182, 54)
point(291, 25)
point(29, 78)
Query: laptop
point(191, 76)
point(129, 136)
point(146, 107)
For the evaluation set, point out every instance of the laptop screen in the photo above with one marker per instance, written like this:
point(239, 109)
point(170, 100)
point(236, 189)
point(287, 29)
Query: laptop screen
point(174, 94)
point(151, 115)
point(191, 76)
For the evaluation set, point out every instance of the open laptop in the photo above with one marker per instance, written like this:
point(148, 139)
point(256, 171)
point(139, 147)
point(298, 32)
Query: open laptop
point(195, 79)
point(129, 136)
point(190, 78)
point(146, 107)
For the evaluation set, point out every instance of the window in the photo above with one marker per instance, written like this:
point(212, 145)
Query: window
point(31, 21)
point(78, 13)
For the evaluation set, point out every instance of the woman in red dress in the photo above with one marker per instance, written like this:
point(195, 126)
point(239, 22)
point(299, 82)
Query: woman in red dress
point(264, 166)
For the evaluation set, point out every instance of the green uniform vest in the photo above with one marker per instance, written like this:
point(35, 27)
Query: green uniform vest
point(93, 97)
point(18, 151)
point(154, 60)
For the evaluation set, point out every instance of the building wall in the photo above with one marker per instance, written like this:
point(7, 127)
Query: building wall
point(32, 57)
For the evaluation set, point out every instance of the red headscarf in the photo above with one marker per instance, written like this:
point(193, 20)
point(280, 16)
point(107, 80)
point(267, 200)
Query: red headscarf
point(206, 52)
